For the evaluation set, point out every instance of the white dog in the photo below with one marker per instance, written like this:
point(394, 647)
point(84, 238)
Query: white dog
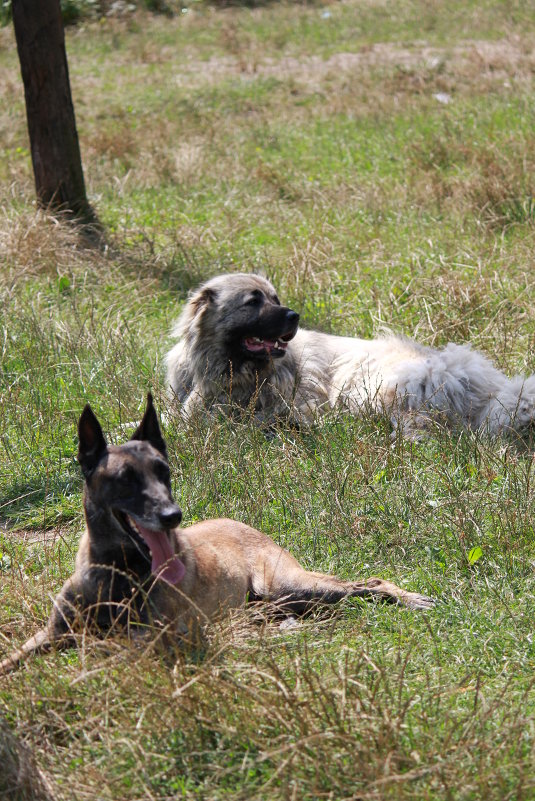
point(237, 345)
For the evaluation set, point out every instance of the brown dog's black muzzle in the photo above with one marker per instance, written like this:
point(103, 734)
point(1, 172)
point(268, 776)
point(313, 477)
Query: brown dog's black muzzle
point(170, 517)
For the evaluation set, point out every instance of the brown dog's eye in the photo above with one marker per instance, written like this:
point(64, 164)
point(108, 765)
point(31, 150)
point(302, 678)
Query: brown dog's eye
point(128, 475)
point(162, 472)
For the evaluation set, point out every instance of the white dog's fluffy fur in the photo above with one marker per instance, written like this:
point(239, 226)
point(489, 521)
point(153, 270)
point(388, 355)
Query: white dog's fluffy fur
point(412, 383)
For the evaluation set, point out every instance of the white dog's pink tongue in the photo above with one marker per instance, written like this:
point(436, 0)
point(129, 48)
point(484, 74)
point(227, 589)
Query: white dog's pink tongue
point(165, 563)
point(256, 344)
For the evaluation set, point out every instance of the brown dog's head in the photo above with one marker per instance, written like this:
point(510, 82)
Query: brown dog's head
point(242, 314)
point(128, 497)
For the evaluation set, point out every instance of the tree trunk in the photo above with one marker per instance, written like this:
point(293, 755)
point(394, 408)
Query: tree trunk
point(57, 164)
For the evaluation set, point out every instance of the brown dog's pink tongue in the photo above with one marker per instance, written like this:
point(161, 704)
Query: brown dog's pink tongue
point(165, 563)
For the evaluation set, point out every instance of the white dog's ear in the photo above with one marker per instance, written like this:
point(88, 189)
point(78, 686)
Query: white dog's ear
point(202, 299)
point(192, 314)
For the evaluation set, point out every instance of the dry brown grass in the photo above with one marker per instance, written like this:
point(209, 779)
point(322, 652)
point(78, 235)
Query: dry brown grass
point(34, 242)
point(493, 182)
point(20, 778)
point(281, 724)
point(312, 148)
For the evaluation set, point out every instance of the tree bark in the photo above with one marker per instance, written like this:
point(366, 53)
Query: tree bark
point(57, 164)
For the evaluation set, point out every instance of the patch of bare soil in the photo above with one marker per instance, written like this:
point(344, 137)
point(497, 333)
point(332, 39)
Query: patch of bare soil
point(506, 58)
point(48, 537)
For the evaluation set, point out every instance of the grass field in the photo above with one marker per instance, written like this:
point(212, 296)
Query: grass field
point(377, 162)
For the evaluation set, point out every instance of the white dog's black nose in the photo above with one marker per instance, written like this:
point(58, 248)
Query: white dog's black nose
point(292, 317)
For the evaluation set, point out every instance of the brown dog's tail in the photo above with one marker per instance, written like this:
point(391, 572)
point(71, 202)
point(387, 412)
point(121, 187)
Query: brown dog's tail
point(40, 642)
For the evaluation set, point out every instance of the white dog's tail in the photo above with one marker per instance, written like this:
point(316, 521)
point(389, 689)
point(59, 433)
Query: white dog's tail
point(512, 408)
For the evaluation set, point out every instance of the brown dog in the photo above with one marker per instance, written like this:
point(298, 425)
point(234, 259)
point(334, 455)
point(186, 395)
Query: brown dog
point(136, 569)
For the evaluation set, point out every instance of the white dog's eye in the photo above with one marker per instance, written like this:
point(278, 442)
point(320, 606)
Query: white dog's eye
point(255, 300)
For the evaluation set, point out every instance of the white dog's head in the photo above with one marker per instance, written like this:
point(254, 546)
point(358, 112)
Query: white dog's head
point(241, 315)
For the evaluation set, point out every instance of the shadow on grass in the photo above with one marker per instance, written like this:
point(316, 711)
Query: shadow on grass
point(37, 503)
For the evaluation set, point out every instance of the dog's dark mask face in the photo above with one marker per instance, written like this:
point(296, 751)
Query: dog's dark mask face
point(130, 484)
point(260, 327)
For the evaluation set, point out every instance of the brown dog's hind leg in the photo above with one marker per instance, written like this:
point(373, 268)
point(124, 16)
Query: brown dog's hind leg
point(306, 589)
point(387, 591)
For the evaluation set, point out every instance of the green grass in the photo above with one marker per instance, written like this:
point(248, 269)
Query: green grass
point(313, 148)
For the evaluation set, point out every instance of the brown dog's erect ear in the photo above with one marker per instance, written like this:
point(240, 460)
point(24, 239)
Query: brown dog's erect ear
point(91, 445)
point(149, 428)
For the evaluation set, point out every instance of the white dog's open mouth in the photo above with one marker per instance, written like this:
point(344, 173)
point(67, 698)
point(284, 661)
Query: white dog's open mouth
point(270, 346)
point(165, 563)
